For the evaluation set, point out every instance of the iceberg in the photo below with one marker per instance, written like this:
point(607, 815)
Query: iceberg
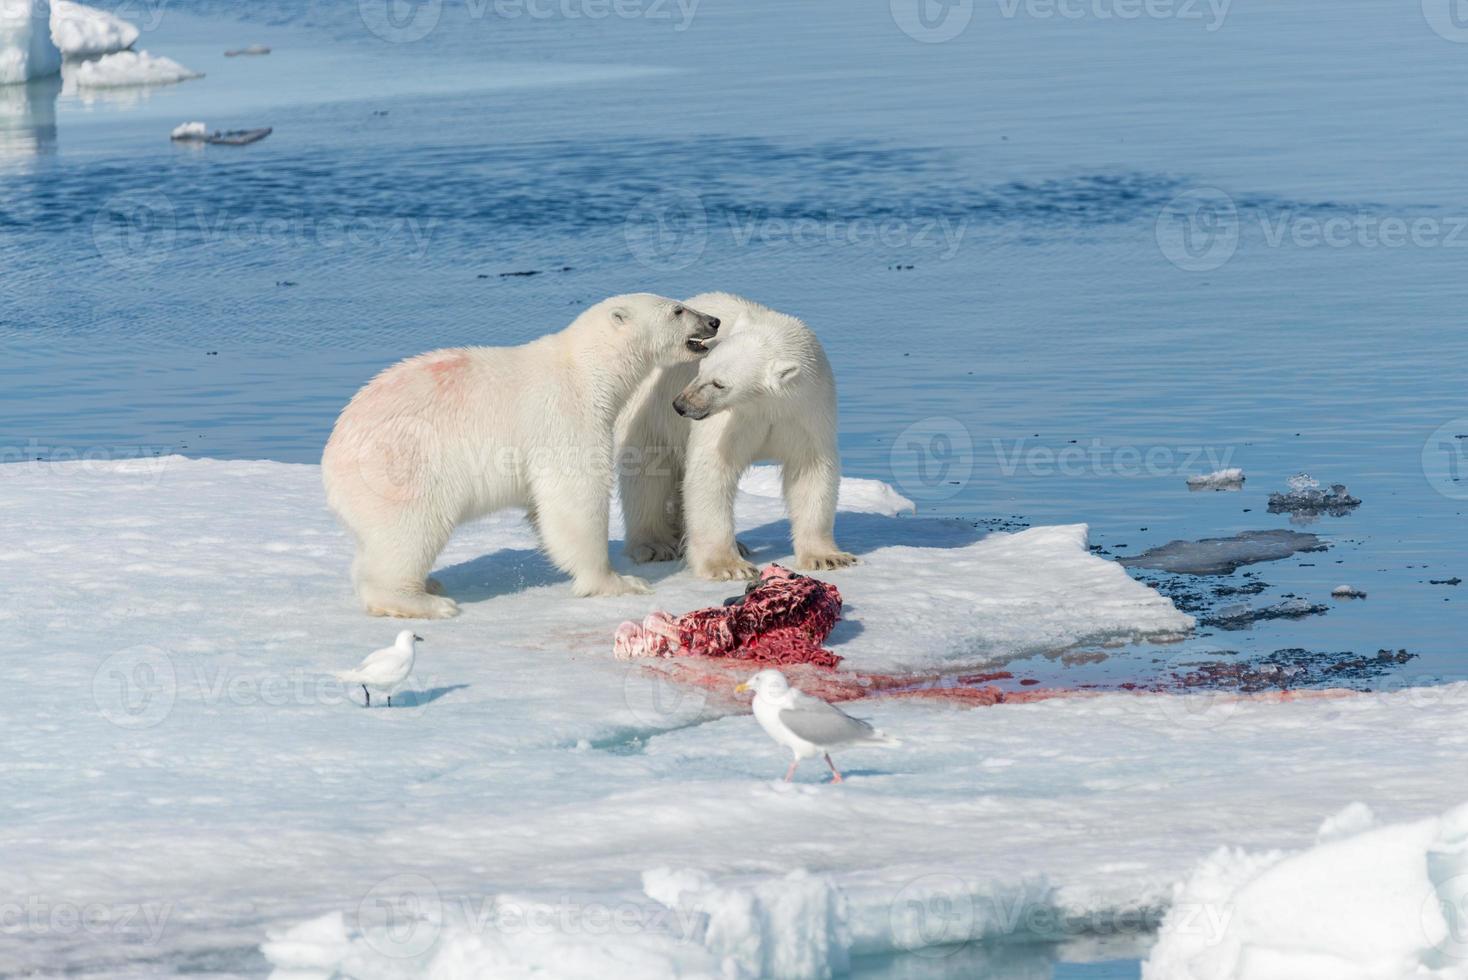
point(80, 31)
point(125, 69)
point(26, 48)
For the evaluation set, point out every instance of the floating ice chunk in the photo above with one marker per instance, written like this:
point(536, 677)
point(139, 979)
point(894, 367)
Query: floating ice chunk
point(128, 68)
point(254, 49)
point(1242, 617)
point(1221, 556)
point(1363, 904)
point(1229, 479)
point(84, 32)
point(26, 48)
point(1305, 498)
point(189, 131)
point(1347, 592)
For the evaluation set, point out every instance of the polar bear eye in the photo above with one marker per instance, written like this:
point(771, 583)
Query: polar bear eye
point(720, 387)
point(677, 311)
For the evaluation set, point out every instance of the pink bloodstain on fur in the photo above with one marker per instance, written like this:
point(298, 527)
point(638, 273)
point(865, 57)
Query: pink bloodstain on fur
point(447, 371)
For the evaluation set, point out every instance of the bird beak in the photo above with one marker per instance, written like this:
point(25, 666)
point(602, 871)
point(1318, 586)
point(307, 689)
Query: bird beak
point(741, 689)
point(417, 637)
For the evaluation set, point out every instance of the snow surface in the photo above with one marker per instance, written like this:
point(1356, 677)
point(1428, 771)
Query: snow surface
point(82, 32)
point(26, 48)
point(128, 68)
point(1364, 903)
point(180, 763)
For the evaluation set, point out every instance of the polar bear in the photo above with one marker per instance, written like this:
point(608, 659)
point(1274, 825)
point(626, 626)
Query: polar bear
point(766, 391)
point(448, 436)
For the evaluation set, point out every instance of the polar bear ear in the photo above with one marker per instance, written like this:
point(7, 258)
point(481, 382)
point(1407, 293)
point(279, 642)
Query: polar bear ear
point(621, 315)
point(782, 373)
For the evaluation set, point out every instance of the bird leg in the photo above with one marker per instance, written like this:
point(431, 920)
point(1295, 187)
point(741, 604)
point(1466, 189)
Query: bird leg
point(790, 773)
point(835, 775)
point(369, 695)
point(389, 700)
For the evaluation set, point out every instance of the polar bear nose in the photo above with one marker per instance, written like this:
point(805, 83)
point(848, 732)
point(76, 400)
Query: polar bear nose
point(714, 324)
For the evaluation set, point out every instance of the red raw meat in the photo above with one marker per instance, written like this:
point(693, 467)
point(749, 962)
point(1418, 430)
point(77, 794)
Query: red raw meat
point(781, 620)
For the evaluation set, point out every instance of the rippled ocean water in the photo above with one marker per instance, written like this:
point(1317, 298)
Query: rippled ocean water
point(1061, 259)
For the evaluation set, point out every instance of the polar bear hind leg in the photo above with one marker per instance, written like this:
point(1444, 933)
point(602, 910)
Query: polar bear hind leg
point(391, 575)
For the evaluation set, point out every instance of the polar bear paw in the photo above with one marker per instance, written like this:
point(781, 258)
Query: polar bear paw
point(824, 561)
point(412, 606)
point(613, 585)
point(650, 551)
point(727, 568)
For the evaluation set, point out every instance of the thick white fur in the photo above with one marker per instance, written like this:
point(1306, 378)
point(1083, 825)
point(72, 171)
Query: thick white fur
point(778, 402)
point(448, 436)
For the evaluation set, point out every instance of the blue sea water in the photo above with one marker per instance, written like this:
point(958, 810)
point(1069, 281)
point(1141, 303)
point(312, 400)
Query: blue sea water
point(1061, 259)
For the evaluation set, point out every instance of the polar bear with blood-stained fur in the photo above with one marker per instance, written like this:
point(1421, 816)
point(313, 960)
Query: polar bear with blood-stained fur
point(765, 392)
point(448, 436)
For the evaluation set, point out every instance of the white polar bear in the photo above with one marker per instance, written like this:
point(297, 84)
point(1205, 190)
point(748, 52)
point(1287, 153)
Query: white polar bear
point(448, 436)
point(766, 391)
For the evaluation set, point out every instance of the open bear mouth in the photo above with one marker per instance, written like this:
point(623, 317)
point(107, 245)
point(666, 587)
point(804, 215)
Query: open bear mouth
point(697, 346)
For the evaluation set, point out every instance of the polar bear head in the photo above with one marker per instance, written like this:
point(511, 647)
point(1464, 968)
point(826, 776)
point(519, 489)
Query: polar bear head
point(665, 331)
point(750, 363)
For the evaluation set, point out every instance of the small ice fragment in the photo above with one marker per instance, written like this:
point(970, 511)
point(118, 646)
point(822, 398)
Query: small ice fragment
point(1347, 592)
point(1305, 497)
point(1221, 556)
point(1229, 479)
point(190, 131)
point(126, 68)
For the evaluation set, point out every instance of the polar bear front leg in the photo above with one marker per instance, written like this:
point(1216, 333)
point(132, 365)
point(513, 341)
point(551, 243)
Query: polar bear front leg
point(573, 528)
point(811, 487)
point(709, 486)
